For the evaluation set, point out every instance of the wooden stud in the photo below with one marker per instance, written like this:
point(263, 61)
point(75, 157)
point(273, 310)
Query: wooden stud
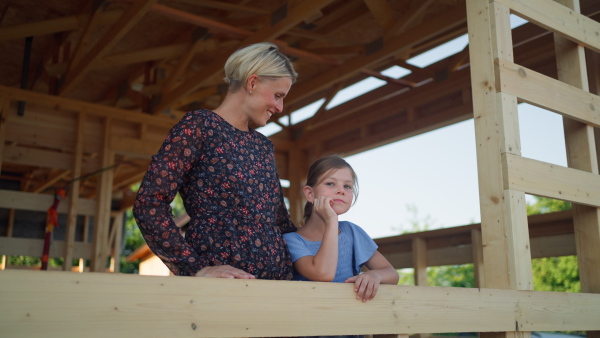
point(581, 154)
point(419, 260)
point(504, 228)
point(477, 252)
point(103, 204)
point(74, 193)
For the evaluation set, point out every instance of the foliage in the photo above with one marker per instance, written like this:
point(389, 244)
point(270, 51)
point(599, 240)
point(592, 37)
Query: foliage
point(134, 239)
point(544, 205)
point(462, 276)
point(553, 273)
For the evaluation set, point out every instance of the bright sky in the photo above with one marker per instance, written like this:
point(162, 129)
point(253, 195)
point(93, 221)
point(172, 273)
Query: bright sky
point(435, 172)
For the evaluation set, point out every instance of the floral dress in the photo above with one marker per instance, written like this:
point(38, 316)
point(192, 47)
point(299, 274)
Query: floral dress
point(230, 188)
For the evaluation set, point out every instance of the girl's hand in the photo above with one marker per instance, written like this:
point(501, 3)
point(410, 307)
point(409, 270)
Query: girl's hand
point(322, 207)
point(223, 271)
point(365, 285)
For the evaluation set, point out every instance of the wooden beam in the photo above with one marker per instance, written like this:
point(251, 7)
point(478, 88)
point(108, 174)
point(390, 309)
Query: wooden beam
point(295, 15)
point(548, 93)
point(582, 155)
point(4, 111)
point(130, 18)
point(73, 191)
point(477, 253)
point(419, 258)
point(15, 246)
point(393, 46)
point(51, 26)
point(20, 200)
point(45, 100)
point(211, 307)
point(558, 19)
point(103, 204)
point(382, 12)
point(504, 227)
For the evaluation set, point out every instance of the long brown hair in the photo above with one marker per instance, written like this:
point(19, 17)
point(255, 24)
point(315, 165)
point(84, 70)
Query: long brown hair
point(319, 168)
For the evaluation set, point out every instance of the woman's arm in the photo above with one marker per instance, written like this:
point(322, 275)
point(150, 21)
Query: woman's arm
point(380, 271)
point(152, 210)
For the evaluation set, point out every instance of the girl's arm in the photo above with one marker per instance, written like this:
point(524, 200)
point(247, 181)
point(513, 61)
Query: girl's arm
point(322, 266)
point(380, 271)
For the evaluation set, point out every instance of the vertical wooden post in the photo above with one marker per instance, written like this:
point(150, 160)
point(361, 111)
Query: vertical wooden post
point(103, 201)
point(477, 251)
point(73, 194)
point(9, 233)
point(582, 155)
point(297, 169)
point(505, 234)
point(4, 110)
point(419, 258)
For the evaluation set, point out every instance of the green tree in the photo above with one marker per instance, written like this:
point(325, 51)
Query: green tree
point(553, 273)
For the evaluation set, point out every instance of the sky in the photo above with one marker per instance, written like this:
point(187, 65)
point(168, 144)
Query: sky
point(431, 178)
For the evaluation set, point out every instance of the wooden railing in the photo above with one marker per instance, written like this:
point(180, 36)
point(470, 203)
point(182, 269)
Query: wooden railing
point(67, 304)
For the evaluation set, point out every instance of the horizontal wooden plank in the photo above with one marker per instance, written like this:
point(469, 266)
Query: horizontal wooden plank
point(546, 92)
point(46, 159)
point(134, 147)
point(89, 108)
point(551, 180)
point(20, 200)
point(558, 19)
point(14, 246)
point(101, 305)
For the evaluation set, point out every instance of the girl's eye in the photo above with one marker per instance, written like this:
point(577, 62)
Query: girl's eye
point(348, 187)
point(329, 184)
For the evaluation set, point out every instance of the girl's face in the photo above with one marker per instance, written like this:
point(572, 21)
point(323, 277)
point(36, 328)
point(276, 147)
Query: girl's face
point(339, 185)
point(266, 98)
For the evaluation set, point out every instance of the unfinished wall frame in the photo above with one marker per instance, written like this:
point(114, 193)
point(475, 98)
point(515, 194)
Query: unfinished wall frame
point(504, 176)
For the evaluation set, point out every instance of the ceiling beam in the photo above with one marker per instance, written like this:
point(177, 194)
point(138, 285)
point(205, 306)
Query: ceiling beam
point(128, 20)
point(295, 15)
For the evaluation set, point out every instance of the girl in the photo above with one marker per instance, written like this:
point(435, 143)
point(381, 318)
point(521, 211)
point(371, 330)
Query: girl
point(327, 250)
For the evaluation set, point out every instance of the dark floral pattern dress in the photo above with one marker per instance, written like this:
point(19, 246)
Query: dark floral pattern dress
point(230, 188)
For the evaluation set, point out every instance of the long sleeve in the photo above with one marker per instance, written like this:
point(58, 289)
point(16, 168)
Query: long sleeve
point(152, 210)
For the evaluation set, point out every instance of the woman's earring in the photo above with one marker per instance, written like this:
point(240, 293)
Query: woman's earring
point(250, 92)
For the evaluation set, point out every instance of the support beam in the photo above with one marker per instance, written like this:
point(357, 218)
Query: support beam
point(74, 193)
point(419, 257)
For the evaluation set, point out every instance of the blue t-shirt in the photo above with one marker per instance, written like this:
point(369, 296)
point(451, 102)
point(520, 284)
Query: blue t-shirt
point(355, 248)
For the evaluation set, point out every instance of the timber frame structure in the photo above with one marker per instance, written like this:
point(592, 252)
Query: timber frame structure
point(86, 122)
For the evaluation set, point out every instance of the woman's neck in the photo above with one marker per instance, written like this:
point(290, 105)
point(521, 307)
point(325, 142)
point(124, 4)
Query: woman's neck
point(230, 111)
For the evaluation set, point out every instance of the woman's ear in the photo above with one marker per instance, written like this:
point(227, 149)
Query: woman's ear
point(308, 193)
point(251, 83)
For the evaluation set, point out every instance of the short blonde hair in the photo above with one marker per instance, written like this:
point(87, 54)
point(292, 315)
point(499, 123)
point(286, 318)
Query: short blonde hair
point(263, 59)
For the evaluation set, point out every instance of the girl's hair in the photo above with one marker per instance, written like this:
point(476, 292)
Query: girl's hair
point(319, 168)
point(263, 59)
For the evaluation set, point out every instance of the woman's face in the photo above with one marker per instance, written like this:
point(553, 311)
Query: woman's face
point(266, 98)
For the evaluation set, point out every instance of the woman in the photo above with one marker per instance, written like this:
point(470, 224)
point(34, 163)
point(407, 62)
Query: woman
point(226, 175)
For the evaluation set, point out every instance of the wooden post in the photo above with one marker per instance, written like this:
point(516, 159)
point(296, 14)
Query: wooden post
point(4, 110)
point(582, 155)
point(73, 193)
point(504, 230)
point(505, 234)
point(477, 251)
point(103, 201)
point(419, 258)
point(297, 169)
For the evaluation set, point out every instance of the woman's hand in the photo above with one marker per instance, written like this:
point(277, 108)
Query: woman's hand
point(223, 271)
point(322, 207)
point(365, 285)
